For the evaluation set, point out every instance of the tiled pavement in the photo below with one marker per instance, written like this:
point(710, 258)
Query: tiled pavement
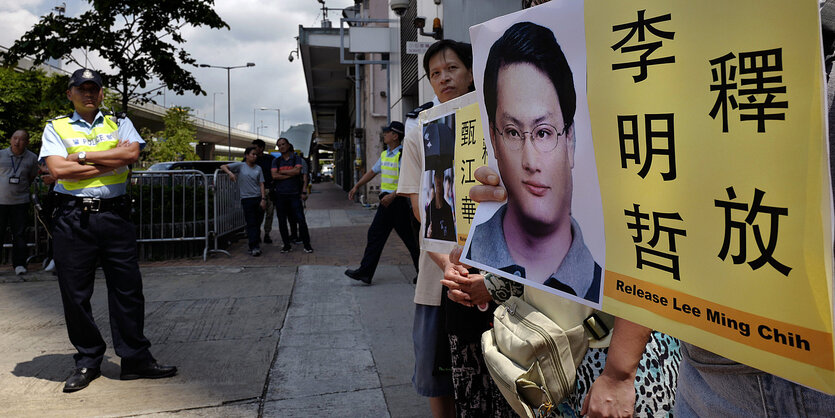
point(281, 335)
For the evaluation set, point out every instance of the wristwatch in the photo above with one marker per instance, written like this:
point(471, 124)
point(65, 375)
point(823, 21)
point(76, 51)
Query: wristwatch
point(82, 157)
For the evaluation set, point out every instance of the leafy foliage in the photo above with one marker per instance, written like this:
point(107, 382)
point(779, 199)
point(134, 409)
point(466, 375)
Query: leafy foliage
point(173, 143)
point(29, 99)
point(139, 38)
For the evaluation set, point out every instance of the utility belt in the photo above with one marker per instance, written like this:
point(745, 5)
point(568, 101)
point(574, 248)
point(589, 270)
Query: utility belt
point(92, 204)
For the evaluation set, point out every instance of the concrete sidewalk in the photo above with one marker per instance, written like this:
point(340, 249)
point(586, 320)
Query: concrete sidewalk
point(281, 335)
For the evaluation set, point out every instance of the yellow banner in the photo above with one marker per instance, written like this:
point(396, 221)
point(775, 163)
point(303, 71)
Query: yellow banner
point(708, 127)
point(470, 153)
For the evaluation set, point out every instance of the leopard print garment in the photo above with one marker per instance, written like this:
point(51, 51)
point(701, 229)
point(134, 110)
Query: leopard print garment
point(655, 382)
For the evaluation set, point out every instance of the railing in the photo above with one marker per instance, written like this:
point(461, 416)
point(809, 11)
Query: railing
point(170, 207)
point(228, 213)
point(37, 232)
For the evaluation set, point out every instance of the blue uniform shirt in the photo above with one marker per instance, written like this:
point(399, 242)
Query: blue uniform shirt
point(51, 145)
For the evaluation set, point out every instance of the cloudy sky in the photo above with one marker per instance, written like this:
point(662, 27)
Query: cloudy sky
point(260, 31)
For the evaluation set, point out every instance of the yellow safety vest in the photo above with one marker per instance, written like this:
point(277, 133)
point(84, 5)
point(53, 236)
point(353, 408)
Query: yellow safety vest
point(100, 138)
point(390, 169)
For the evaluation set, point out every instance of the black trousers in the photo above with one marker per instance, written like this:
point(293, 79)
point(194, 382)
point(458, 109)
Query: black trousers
point(291, 207)
point(253, 214)
point(14, 217)
point(397, 216)
point(82, 240)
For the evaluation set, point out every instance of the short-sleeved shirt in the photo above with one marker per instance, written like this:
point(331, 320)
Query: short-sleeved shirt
point(52, 145)
point(293, 185)
point(25, 168)
point(428, 289)
point(249, 179)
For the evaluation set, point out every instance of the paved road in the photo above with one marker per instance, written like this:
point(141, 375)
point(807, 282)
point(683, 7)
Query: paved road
point(281, 335)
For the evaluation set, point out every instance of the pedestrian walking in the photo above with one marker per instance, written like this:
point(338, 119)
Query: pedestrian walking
point(89, 152)
point(394, 212)
point(18, 168)
point(250, 179)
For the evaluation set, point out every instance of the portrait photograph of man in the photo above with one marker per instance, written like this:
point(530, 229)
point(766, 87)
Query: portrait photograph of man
point(539, 139)
point(438, 185)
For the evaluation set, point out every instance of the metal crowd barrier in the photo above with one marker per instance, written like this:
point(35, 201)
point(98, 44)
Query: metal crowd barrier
point(37, 233)
point(171, 206)
point(228, 213)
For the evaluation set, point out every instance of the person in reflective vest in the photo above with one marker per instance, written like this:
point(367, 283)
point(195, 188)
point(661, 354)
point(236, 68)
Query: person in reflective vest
point(89, 152)
point(392, 213)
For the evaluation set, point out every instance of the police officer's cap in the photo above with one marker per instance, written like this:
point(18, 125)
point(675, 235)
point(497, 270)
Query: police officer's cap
point(84, 75)
point(395, 126)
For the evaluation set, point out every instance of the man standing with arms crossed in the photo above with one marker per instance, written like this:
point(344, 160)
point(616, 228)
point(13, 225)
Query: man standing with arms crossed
point(393, 212)
point(89, 153)
point(18, 168)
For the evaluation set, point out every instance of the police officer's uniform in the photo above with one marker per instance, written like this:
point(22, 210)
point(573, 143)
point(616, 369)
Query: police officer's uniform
point(91, 224)
point(397, 215)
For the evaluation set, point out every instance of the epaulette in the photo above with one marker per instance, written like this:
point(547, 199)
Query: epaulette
point(414, 113)
point(60, 117)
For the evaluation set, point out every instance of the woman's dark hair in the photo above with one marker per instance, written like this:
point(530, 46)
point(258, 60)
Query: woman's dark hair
point(247, 150)
point(529, 43)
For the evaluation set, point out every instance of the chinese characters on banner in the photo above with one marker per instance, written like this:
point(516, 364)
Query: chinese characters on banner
point(470, 153)
point(709, 138)
point(697, 143)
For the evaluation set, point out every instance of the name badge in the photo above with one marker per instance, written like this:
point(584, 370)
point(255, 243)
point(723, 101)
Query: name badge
point(14, 180)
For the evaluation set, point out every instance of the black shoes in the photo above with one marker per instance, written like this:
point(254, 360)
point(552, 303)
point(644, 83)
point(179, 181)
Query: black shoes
point(80, 378)
point(267, 239)
point(150, 369)
point(286, 248)
point(355, 274)
point(308, 249)
point(147, 370)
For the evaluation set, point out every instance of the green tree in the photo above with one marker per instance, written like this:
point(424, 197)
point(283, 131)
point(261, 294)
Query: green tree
point(139, 38)
point(173, 143)
point(29, 99)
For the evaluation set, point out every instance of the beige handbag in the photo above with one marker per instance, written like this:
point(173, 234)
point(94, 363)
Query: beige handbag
point(532, 359)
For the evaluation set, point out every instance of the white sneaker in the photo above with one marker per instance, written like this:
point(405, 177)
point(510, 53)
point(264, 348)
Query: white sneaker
point(20, 270)
point(50, 266)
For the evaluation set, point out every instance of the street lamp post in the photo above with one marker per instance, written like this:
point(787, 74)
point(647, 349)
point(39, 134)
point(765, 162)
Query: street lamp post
point(214, 96)
point(228, 101)
point(278, 127)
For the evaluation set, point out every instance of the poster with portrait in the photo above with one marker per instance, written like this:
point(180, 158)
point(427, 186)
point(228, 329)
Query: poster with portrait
point(437, 186)
point(530, 75)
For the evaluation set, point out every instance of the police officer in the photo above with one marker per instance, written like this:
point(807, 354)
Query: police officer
point(394, 211)
point(89, 152)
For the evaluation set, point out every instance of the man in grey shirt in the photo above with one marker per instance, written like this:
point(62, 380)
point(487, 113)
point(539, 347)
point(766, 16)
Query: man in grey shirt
point(18, 168)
